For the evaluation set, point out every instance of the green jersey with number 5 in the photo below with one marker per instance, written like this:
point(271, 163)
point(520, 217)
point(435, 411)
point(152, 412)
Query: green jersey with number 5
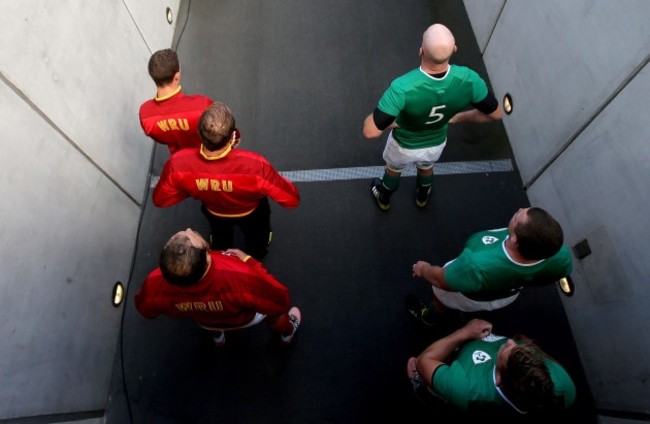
point(423, 104)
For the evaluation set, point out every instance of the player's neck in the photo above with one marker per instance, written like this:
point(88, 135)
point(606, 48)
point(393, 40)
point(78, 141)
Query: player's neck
point(216, 153)
point(167, 90)
point(514, 253)
point(434, 68)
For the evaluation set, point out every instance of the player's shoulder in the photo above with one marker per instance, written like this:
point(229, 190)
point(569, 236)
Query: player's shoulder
point(564, 255)
point(187, 152)
point(198, 98)
point(225, 261)
point(488, 237)
point(408, 77)
point(155, 277)
point(407, 82)
point(464, 72)
point(248, 154)
point(147, 105)
point(184, 155)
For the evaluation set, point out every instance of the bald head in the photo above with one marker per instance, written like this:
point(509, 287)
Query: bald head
point(438, 43)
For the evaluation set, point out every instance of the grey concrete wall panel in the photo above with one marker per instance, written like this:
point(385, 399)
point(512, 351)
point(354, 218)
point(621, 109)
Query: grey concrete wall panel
point(599, 190)
point(74, 172)
point(483, 15)
point(151, 20)
point(561, 60)
point(84, 65)
point(68, 235)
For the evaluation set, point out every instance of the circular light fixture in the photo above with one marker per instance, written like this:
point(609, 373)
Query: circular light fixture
point(170, 16)
point(118, 294)
point(507, 104)
point(566, 286)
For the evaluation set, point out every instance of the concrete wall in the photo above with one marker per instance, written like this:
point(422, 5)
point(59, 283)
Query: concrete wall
point(580, 81)
point(73, 174)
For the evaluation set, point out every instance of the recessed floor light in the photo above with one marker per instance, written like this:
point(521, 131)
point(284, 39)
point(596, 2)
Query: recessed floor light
point(507, 104)
point(118, 294)
point(566, 286)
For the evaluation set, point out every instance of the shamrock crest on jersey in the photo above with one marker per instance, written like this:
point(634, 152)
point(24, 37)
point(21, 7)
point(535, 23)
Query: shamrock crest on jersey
point(480, 357)
point(489, 240)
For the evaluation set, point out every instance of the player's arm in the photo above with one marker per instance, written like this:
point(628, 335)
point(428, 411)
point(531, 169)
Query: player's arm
point(375, 123)
point(436, 354)
point(265, 294)
point(486, 110)
point(243, 256)
point(281, 190)
point(142, 303)
point(432, 274)
point(165, 193)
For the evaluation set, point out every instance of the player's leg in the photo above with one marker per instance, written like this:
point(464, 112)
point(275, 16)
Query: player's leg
point(383, 188)
point(286, 324)
point(256, 228)
point(221, 231)
point(423, 184)
point(397, 159)
point(424, 180)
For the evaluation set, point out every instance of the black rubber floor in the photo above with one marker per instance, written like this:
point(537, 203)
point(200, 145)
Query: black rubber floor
point(300, 77)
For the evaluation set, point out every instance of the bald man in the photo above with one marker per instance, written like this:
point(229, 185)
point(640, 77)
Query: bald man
point(417, 108)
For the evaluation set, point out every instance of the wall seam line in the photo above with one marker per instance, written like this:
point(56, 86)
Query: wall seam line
point(588, 122)
point(32, 105)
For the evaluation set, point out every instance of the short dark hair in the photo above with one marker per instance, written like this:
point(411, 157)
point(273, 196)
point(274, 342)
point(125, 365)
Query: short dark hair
point(527, 380)
point(539, 236)
point(181, 263)
point(216, 126)
point(163, 65)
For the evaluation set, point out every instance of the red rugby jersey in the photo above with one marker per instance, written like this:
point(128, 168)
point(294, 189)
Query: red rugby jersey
point(229, 185)
point(229, 294)
point(173, 120)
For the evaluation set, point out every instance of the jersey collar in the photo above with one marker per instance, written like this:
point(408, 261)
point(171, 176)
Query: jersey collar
point(219, 156)
point(503, 396)
point(511, 259)
point(161, 98)
point(436, 78)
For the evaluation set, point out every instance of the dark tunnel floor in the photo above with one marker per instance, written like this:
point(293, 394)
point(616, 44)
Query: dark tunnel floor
point(300, 78)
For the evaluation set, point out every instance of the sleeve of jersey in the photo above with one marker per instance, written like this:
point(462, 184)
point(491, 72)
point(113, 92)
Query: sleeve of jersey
point(568, 260)
point(278, 188)
point(461, 273)
point(142, 302)
point(392, 102)
point(479, 88)
point(165, 193)
point(450, 383)
point(562, 382)
point(140, 115)
point(266, 295)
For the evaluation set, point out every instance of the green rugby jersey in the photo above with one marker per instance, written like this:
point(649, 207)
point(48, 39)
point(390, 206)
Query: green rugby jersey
point(468, 383)
point(484, 270)
point(423, 104)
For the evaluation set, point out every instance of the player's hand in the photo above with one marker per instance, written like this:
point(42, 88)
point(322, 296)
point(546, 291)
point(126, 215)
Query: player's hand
point(478, 328)
point(419, 268)
point(236, 252)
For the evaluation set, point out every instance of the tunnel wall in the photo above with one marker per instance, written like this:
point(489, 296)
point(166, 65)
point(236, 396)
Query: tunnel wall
point(578, 75)
point(73, 174)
